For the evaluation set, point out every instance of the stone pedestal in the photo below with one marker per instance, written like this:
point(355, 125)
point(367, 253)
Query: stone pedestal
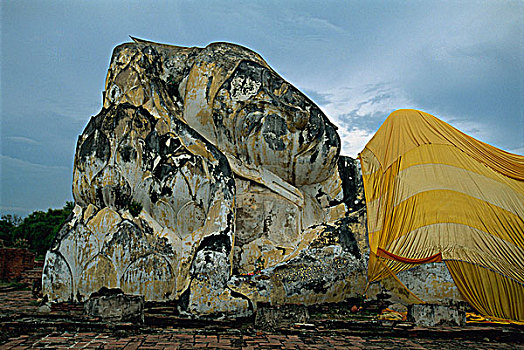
point(277, 316)
point(113, 305)
point(431, 315)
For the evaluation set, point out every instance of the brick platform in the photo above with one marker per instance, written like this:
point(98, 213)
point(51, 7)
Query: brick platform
point(14, 261)
point(181, 338)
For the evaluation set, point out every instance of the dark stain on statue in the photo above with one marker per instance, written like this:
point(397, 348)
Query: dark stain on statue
point(128, 153)
point(346, 237)
point(94, 123)
point(219, 243)
point(338, 232)
point(95, 144)
point(208, 87)
point(130, 236)
point(252, 124)
point(315, 127)
point(314, 156)
point(153, 142)
point(113, 117)
point(352, 185)
point(115, 195)
point(172, 85)
point(273, 129)
point(164, 170)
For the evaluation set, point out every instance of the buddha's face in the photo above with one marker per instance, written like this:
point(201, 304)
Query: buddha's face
point(230, 96)
point(258, 117)
point(267, 122)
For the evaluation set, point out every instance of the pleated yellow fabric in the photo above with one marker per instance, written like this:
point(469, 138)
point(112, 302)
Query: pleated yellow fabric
point(434, 193)
point(488, 292)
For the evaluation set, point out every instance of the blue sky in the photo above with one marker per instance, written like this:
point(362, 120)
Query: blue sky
point(358, 60)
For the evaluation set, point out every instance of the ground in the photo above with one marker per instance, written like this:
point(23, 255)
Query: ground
point(190, 339)
point(22, 326)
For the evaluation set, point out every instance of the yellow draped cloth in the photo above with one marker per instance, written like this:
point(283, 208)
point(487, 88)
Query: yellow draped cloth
point(436, 194)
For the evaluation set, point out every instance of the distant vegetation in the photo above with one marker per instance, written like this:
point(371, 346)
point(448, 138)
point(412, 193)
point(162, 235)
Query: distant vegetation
point(36, 231)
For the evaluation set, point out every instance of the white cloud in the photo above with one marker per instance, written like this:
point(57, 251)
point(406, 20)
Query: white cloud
point(21, 139)
point(364, 100)
point(359, 111)
point(519, 150)
point(317, 23)
point(26, 166)
point(354, 140)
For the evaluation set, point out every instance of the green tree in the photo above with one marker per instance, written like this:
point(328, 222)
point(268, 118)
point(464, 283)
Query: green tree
point(40, 228)
point(7, 224)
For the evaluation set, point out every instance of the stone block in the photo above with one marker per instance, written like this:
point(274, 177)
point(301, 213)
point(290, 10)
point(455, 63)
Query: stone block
point(431, 315)
point(113, 305)
point(278, 316)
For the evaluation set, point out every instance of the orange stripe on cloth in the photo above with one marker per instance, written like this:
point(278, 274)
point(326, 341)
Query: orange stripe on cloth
point(431, 259)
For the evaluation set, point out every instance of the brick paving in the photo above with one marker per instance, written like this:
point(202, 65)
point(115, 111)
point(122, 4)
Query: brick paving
point(17, 302)
point(181, 338)
point(22, 327)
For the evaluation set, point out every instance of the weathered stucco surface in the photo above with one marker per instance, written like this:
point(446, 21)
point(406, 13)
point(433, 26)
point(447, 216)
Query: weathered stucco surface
point(242, 194)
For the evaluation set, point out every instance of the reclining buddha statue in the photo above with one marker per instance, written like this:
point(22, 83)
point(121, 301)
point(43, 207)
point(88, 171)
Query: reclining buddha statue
point(209, 181)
